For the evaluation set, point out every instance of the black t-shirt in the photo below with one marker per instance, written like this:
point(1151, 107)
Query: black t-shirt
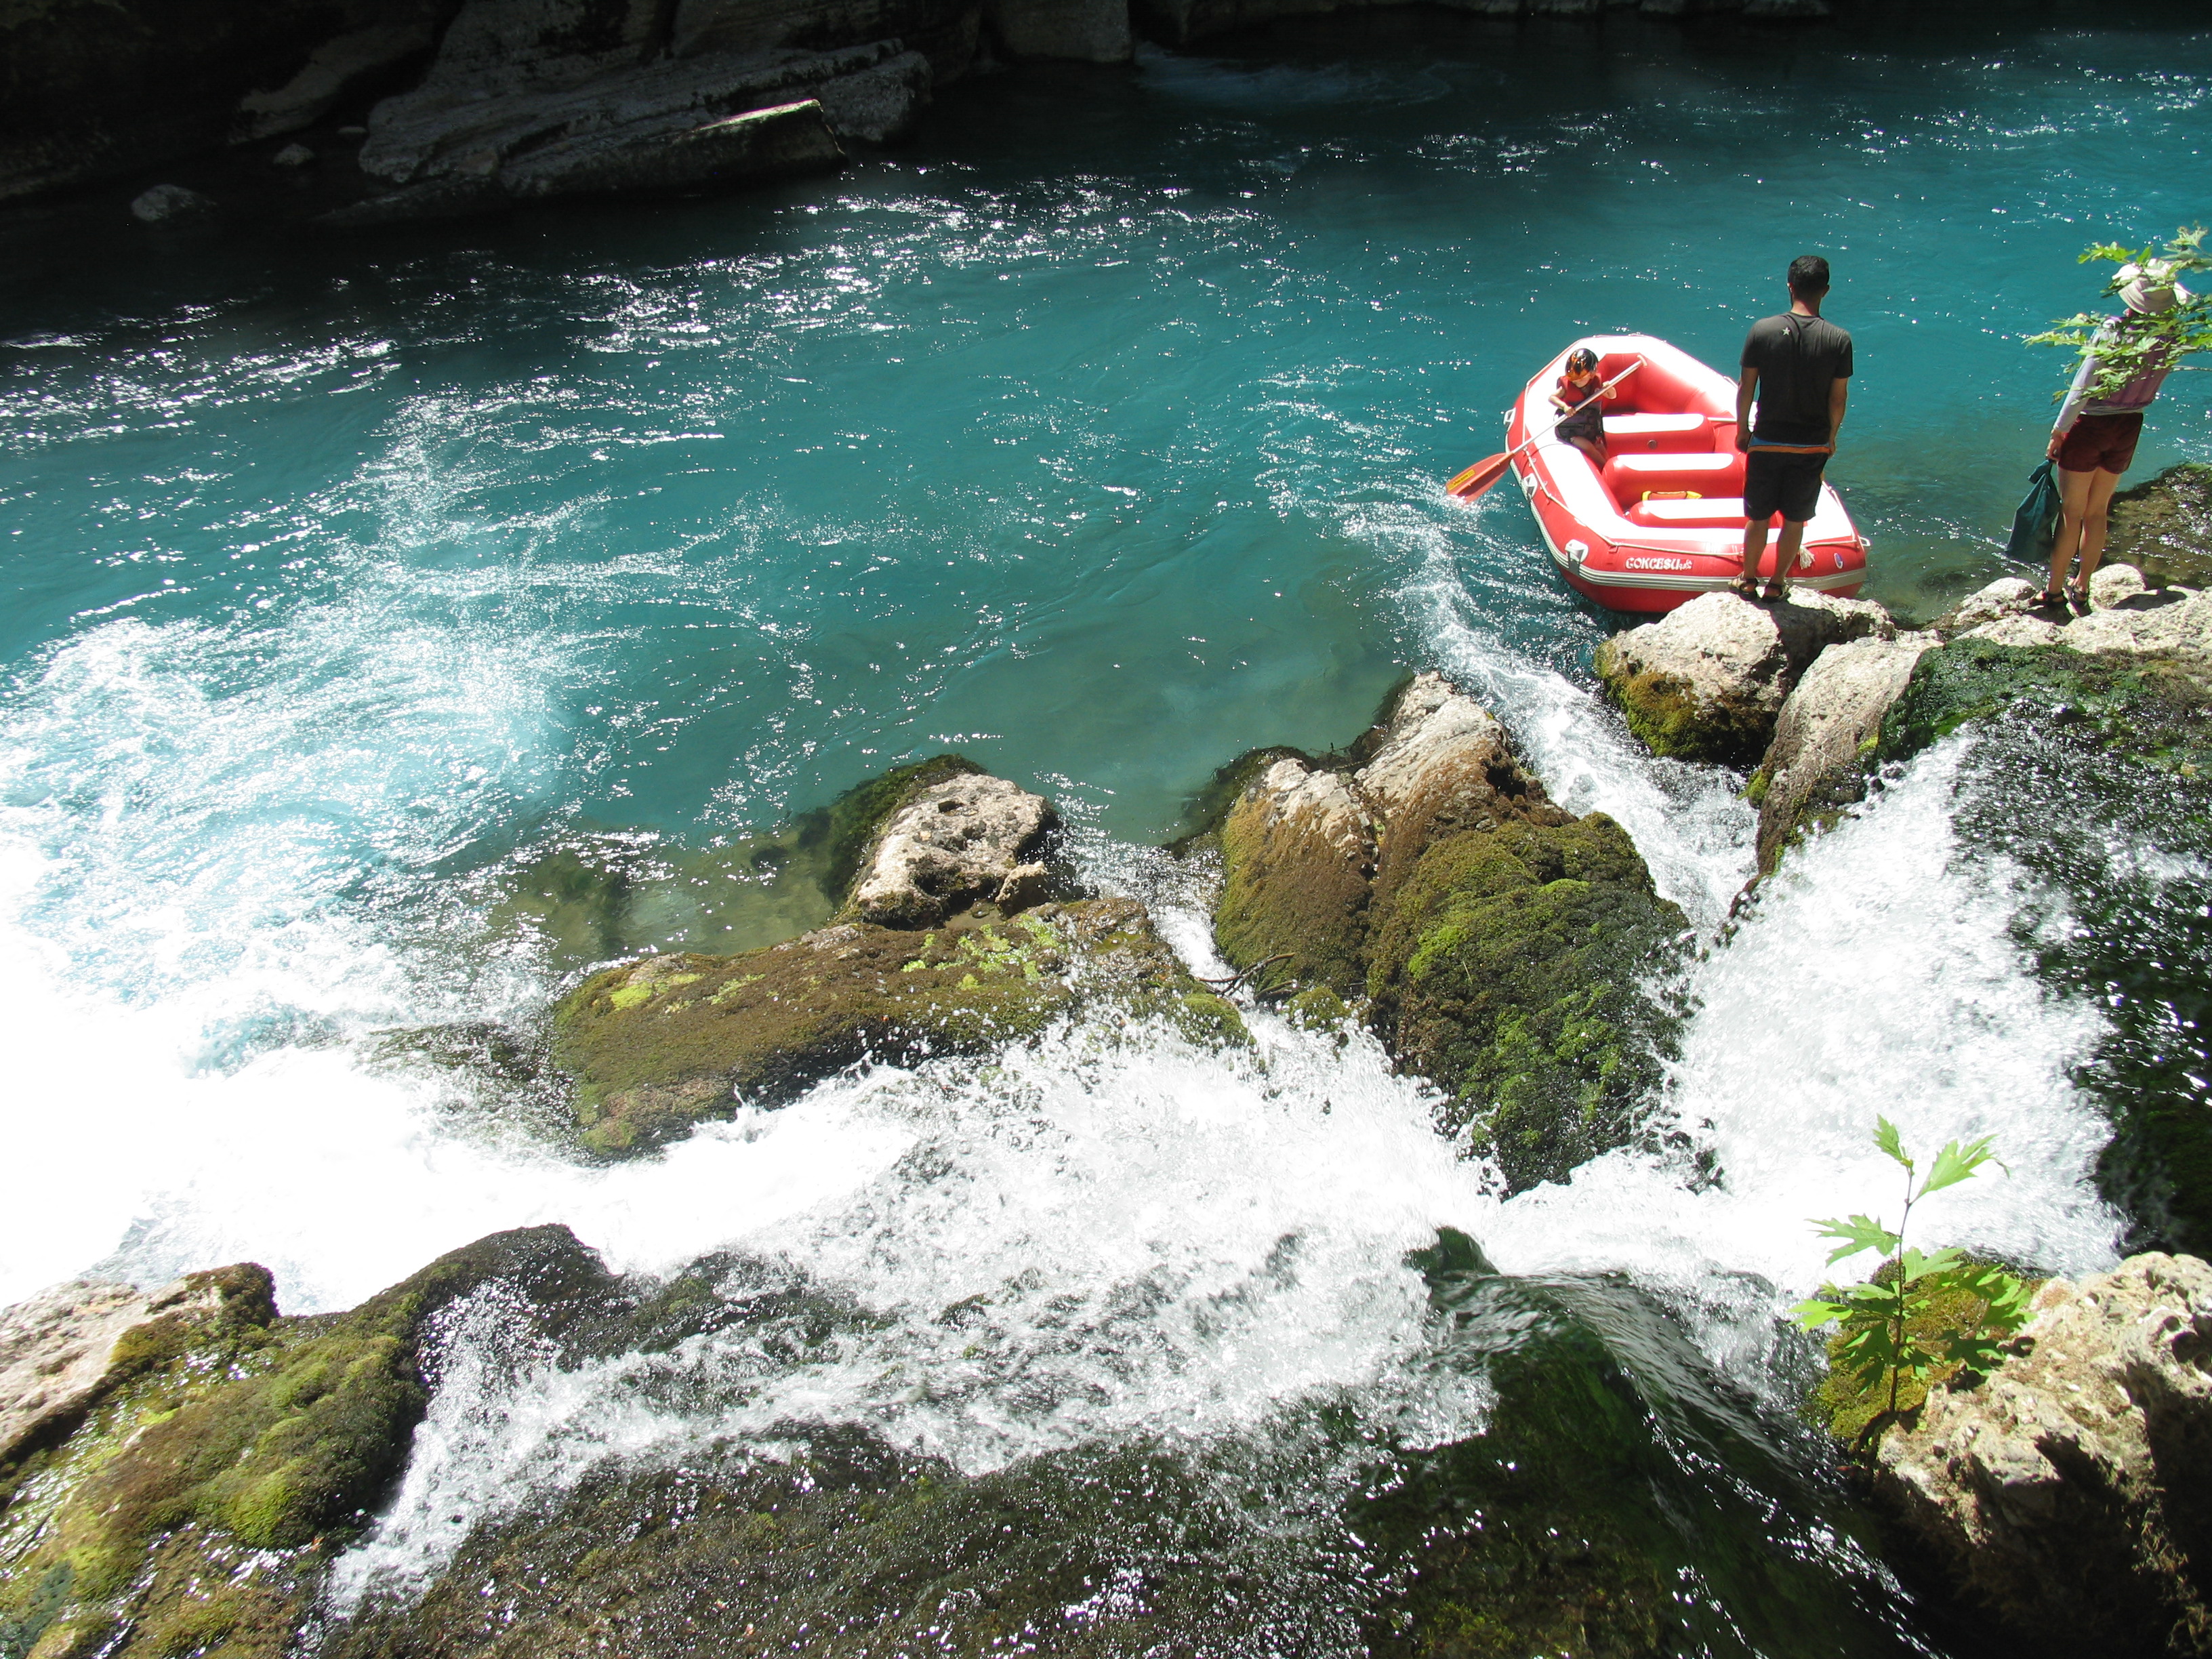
point(1796, 358)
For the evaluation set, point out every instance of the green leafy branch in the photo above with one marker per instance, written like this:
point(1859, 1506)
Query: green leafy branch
point(2134, 343)
point(1889, 1330)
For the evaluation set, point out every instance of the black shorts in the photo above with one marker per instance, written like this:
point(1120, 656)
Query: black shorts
point(1788, 484)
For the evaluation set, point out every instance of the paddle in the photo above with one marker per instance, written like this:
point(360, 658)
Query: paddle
point(1484, 473)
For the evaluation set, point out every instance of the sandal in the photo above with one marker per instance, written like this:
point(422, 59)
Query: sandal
point(2079, 598)
point(2046, 599)
point(1776, 594)
point(1744, 588)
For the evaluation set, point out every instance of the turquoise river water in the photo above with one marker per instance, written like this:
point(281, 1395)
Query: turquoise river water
point(1098, 433)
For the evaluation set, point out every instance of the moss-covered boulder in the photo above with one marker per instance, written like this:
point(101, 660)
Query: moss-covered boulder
point(193, 1510)
point(1499, 945)
point(2164, 527)
point(1510, 968)
point(1707, 681)
point(654, 1047)
point(1297, 855)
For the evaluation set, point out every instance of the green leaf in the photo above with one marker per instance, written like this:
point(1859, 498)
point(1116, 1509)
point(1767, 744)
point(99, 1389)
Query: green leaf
point(1860, 1232)
point(1955, 1164)
point(1913, 1266)
point(1815, 1313)
point(1885, 1136)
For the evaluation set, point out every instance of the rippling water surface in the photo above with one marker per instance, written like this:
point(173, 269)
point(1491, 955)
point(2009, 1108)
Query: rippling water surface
point(1099, 435)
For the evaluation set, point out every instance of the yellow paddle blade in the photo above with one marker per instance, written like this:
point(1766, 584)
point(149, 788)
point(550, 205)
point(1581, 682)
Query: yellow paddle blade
point(1478, 477)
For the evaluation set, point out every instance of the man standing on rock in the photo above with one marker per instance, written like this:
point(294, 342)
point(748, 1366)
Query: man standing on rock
point(1798, 365)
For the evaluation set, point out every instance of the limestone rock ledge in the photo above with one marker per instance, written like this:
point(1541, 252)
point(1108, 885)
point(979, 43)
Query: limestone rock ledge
point(1708, 680)
point(2070, 1493)
point(1499, 945)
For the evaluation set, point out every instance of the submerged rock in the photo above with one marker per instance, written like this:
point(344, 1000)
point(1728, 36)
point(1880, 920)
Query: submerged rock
point(1816, 766)
point(172, 205)
point(1501, 945)
point(657, 1046)
point(1708, 680)
point(2070, 1493)
point(2164, 527)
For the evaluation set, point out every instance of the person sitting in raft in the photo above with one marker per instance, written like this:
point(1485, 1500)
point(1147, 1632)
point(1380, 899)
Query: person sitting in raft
point(1580, 396)
point(2094, 438)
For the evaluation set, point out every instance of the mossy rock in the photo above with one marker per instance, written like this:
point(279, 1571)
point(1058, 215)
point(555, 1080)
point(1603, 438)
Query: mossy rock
point(1509, 968)
point(1292, 898)
point(658, 1046)
point(2164, 527)
point(1670, 720)
point(211, 1486)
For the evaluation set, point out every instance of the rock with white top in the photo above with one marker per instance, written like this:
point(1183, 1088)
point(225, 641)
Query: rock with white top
point(968, 838)
point(2070, 1491)
point(1708, 681)
point(1815, 767)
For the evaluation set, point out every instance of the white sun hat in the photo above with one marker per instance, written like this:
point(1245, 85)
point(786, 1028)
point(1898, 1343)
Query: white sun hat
point(2150, 288)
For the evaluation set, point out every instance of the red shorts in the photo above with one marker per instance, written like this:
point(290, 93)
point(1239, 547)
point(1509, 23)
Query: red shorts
point(2100, 443)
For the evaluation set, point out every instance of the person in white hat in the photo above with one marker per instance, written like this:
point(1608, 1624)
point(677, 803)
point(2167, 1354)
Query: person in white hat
point(2094, 438)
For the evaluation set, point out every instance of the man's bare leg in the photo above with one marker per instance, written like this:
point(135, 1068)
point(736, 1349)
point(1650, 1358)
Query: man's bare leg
point(1755, 544)
point(1785, 557)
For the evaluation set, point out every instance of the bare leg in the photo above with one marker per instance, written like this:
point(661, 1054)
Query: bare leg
point(1785, 556)
point(1755, 545)
point(1593, 447)
point(2093, 520)
point(2073, 514)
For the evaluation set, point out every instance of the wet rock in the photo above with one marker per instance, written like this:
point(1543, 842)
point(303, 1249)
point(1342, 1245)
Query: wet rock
point(2164, 527)
point(680, 123)
point(66, 1347)
point(293, 157)
point(1510, 967)
point(679, 153)
point(1707, 681)
point(948, 845)
point(1298, 854)
point(1500, 944)
point(1085, 31)
point(655, 1047)
point(338, 67)
point(2070, 1493)
point(199, 1502)
point(172, 205)
point(1816, 765)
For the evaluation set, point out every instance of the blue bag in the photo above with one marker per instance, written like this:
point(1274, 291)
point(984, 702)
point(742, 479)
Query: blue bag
point(2035, 525)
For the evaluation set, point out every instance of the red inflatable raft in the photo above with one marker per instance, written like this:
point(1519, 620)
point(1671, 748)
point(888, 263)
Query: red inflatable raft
point(1664, 522)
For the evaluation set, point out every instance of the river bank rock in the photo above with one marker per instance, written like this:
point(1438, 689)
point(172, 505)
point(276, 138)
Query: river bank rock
point(194, 1507)
point(2069, 1493)
point(1707, 681)
point(1815, 767)
point(1498, 944)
